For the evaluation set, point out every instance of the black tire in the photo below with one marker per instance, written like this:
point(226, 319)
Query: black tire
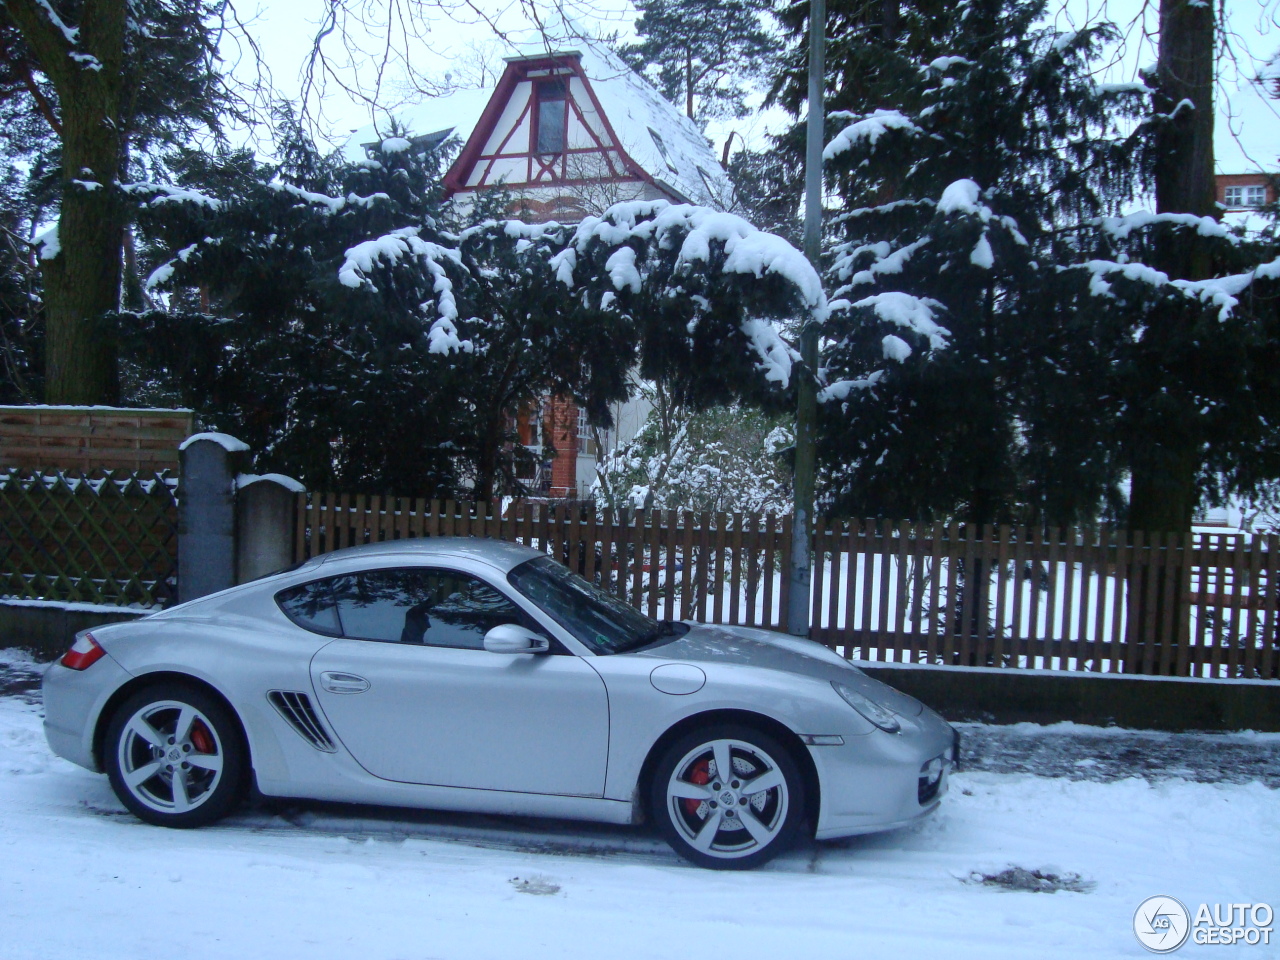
point(735, 843)
point(212, 738)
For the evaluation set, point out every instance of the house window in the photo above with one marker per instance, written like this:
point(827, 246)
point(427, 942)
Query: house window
point(552, 105)
point(586, 441)
point(1248, 196)
point(662, 149)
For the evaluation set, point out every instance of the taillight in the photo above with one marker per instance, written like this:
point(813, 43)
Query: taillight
point(84, 653)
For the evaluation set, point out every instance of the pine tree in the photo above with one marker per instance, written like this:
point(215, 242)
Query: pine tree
point(111, 79)
point(703, 54)
point(332, 314)
point(959, 192)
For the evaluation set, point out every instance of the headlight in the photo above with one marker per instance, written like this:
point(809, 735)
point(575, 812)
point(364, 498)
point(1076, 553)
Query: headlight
point(872, 711)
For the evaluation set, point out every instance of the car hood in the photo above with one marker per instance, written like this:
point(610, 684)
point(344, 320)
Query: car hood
point(743, 646)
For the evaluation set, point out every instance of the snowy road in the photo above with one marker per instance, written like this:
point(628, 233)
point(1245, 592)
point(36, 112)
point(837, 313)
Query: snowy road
point(79, 878)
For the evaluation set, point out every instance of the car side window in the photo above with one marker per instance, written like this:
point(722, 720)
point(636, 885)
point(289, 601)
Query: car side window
point(312, 606)
point(438, 608)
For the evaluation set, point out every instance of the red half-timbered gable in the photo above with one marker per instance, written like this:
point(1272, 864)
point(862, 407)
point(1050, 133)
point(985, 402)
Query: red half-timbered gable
point(567, 133)
point(543, 127)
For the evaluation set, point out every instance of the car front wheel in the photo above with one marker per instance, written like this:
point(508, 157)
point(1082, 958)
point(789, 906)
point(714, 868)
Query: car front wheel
point(174, 756)
point(727, 796)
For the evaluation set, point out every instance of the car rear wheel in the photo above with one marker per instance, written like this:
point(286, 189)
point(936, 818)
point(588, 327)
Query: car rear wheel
point(727, 796)
point(174, 756)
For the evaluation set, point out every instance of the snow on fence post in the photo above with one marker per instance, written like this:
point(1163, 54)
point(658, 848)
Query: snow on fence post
point(207, 514)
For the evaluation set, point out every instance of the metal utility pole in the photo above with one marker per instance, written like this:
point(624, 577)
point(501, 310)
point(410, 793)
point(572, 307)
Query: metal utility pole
point(801, 572)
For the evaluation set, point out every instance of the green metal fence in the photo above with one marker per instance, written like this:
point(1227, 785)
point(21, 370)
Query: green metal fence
point(104, 538)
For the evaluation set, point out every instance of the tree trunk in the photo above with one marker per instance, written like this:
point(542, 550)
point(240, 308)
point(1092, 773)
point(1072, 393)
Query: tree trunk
point(1165, 449)
point(1165, 454)
point(82, 277)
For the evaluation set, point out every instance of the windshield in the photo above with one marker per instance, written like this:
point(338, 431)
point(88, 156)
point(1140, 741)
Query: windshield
point(599, 620)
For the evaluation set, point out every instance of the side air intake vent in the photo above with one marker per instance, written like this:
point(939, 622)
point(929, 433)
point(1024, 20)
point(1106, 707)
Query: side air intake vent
point(296, 708)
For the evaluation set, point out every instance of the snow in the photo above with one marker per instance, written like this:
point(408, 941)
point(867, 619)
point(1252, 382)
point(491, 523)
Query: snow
point(748, 250)
point(1133, 86)
point(88, 186)
point(895, 348)
point(456, 113)
point(164, 193)
point(689, 168)
point(841, 389)
point(224, 440)
point(982, 255)
point(1121, 227)
point(621, 266)
point(962, 197)
point(74, 607)
point(885, 263)
point(289, 483)
point(909, 312)
point(942, 64)
point(330, 883)
point(870, 128)
point(71, 34)
point(49, 243)
point(775, 356)
point(1220, 292)
point(633, 107)
point(395, 145)
point(87, 60)
point(331, 204)
point(360, 260)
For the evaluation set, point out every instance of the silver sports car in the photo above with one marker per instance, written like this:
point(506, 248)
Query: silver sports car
point(468, 674)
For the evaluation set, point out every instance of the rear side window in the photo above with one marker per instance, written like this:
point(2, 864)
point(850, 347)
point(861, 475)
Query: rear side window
point(312, 606)
point(438, 608)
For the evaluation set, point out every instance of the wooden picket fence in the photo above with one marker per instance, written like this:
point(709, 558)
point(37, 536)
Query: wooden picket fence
point(1200, 604)
point(102, 537)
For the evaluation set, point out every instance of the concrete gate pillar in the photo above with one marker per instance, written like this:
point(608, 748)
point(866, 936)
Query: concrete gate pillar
point(207, 514)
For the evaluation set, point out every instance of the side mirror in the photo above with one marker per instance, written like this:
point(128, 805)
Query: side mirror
point(512, 638)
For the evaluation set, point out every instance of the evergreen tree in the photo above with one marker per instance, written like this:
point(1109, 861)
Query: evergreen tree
point(111, 79)
point(332, 315)
point(959, 193)
point(703, 54)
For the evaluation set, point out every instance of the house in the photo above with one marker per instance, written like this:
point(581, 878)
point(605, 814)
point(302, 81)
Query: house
point(1245, 191)
point(568, 133)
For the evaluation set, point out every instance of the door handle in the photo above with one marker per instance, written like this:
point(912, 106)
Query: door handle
point(336, 682)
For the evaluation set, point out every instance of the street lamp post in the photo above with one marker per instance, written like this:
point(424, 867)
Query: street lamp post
point(801, 572)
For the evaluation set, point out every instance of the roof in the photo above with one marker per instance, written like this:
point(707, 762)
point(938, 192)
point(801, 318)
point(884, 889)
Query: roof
point(456, 114)
point(666, 145)
point(496, 553)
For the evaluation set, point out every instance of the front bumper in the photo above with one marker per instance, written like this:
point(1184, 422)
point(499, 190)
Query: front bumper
point(877, 782)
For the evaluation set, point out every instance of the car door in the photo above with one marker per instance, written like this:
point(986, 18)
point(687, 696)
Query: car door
point(413, 694)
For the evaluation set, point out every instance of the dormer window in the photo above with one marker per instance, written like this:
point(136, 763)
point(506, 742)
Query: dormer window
point(1245, 196)
point(552, 105)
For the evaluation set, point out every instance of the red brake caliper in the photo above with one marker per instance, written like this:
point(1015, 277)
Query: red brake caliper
point(700, 775)
point(201, 739)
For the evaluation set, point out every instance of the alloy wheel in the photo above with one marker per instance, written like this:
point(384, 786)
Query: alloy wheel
point(728, 799)
point(170, 757)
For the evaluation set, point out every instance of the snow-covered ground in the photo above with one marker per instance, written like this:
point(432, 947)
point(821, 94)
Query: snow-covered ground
point(80, 878)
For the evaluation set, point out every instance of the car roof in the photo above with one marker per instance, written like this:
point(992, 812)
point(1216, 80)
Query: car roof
point(496, 553)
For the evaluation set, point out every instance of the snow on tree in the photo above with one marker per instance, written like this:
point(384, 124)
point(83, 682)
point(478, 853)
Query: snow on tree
point(957, 182)
point(361, 338)
point(722, 460)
